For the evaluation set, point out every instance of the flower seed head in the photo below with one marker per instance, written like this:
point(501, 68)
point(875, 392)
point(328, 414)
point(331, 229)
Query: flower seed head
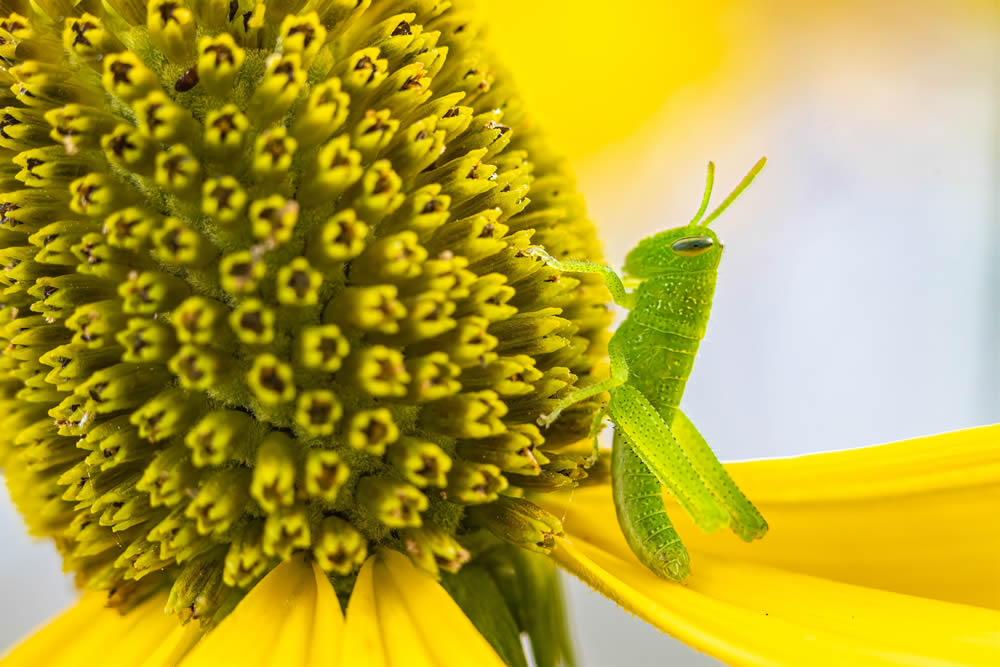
point(264, 289)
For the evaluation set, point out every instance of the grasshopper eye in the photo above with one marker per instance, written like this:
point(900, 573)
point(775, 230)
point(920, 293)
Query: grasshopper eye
point(689, 246)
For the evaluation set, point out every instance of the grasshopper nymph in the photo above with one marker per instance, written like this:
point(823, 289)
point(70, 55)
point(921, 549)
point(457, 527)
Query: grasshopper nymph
point(651, 354)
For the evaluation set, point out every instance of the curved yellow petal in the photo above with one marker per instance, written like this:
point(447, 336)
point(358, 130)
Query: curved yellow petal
point(958, 459)
point(401, 637)
point(879, 554)
point(915, 517)
point(291, 618)
point(451, 638)
point(174, 645)
point(362, 635)
point(750, 614)
point(398, 616)
point(328, 623)
point(89, 633)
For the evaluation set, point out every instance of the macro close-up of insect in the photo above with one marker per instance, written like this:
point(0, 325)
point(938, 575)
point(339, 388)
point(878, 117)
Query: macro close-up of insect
point(380, 333)
point(652, 353)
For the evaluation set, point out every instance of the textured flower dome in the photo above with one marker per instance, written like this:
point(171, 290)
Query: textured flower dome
point(265, 292)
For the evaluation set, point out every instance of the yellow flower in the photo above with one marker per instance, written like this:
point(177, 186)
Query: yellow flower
point(265, 293)
point(880, 555)
point(292, 617)
point(266, 312)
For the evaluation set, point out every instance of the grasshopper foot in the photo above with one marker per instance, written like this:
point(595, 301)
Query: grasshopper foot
point(546, 420)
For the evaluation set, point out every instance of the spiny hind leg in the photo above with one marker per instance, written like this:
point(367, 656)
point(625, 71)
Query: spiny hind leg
point(621, 296)
point(642, 515)
point(746, 521)
point(619, 376)
point(653, 442)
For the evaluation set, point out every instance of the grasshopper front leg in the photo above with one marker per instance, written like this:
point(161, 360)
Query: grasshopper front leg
point(621, 296)
point(619, 376)
point(595, 429)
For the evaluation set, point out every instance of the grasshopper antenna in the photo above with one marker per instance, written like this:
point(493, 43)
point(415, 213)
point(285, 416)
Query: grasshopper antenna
point(743, 185)
point(708, 194)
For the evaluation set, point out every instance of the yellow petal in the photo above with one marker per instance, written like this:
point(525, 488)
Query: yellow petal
point(401, 638)
point(328, 623)
point(362, 635)
point(174, 646)
point(959, 459)
point(91, 634)
point(916, 517)
point(750, 614)
point(291, 618)
point(449, 636)
point(399, 616)
point(878, 554)
point(295, 640)
point(913, 517)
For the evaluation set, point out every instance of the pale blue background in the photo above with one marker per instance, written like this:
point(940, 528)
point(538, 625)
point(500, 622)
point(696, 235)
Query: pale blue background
point(856, 303)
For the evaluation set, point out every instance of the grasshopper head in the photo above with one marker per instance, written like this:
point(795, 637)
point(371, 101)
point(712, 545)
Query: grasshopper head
point(682, 249)
point(693, 247)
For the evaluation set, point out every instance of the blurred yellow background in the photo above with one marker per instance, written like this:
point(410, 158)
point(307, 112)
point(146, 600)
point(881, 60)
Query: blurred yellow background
point(597, 73)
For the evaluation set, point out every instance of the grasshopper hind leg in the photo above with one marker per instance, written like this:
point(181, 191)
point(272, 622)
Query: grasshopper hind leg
point(642, 515)
point(652, 441)
point(745, 520)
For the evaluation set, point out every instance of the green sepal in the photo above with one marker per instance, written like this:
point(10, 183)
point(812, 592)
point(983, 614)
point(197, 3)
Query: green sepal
point(477, 593)
point(530, 583)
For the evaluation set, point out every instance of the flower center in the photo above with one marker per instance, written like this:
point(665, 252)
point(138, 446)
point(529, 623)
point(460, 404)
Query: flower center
point(265, 290)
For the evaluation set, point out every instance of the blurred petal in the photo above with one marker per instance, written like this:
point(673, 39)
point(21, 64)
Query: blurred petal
point(883, 553)
point(91, 634)
point(292, 617)
point(594, 72)
point(399, 616)
point(175, 645)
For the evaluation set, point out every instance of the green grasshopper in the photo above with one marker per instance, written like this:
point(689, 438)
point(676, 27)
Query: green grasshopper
point(651, 354)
